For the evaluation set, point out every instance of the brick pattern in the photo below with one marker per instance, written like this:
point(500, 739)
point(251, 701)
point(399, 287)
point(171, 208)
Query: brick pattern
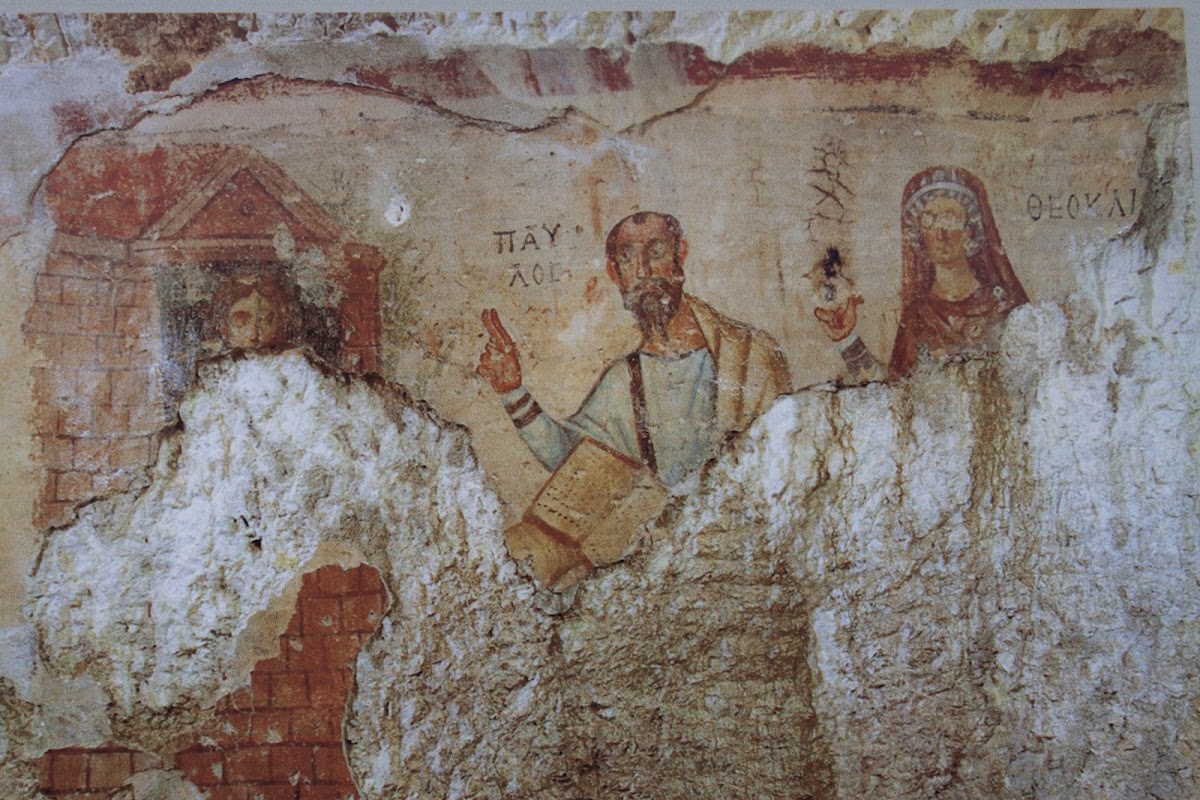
point(96, 316)
point(280, 738)
point(92, 774)
point(99, 397)
point(358, 312)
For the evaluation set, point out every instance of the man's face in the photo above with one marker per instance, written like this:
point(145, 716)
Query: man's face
point(648, 272)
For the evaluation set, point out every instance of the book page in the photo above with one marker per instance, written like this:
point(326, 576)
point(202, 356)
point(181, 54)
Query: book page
point(583, 490)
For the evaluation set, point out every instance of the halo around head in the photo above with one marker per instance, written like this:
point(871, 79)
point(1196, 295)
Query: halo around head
point(943, 182)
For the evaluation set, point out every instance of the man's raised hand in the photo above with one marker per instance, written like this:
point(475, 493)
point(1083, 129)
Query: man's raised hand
point(499, 364)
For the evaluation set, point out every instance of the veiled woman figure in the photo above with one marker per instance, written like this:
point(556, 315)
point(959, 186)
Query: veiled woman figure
point(958, 286)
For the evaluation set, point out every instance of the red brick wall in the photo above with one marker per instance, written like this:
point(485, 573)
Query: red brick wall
point(358, 312)
point(96, 311)
point(280, 738)
point(92, 774)
point(98, 396)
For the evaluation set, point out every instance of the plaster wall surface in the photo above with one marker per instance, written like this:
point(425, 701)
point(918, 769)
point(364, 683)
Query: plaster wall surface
point(978, 578)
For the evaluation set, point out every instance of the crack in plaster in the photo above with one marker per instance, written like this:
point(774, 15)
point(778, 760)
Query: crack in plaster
point(987, 570)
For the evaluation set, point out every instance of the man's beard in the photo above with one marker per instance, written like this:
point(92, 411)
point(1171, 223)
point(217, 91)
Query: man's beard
point(654, 302)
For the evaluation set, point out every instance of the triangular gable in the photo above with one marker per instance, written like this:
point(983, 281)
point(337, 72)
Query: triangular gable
point(204, 206)
point(243, 209)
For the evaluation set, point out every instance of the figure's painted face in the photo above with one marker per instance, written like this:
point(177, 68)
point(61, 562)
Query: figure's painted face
point(648, 272)
point(254, 321)
point(944, 231)
point(645, 250)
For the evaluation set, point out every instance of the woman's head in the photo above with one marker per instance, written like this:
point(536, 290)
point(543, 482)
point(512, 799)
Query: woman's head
point(945, 216)
point(256, 311)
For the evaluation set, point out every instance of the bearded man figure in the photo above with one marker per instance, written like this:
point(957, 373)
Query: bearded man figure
point(696, 377)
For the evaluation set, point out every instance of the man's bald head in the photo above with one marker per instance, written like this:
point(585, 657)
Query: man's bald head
point(643, 225)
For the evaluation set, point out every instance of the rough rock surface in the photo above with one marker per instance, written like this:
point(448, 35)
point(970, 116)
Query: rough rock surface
point(978, 581)
point(1001, 35)
point(274, 458)
point(999, 559)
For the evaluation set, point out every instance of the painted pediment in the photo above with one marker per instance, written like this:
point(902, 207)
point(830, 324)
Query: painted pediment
point(245, 196)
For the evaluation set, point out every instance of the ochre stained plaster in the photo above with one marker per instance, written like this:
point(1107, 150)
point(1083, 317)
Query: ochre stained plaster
point(911, 461)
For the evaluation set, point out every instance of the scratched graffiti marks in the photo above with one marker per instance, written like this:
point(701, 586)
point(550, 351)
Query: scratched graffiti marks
point(831, 197)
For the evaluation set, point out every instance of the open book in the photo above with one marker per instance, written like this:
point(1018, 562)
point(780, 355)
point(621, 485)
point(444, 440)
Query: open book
point(586, 515)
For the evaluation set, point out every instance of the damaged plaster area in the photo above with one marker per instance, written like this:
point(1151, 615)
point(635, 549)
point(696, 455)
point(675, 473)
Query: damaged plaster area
point(70, 75)
point(235, 508)
point(977, 580)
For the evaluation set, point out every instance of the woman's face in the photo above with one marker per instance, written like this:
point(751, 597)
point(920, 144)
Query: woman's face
point(944, 232)
point(254, 322)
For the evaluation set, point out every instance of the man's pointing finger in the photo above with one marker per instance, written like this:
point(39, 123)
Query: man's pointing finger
point(491, 322)
point(495, 329)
